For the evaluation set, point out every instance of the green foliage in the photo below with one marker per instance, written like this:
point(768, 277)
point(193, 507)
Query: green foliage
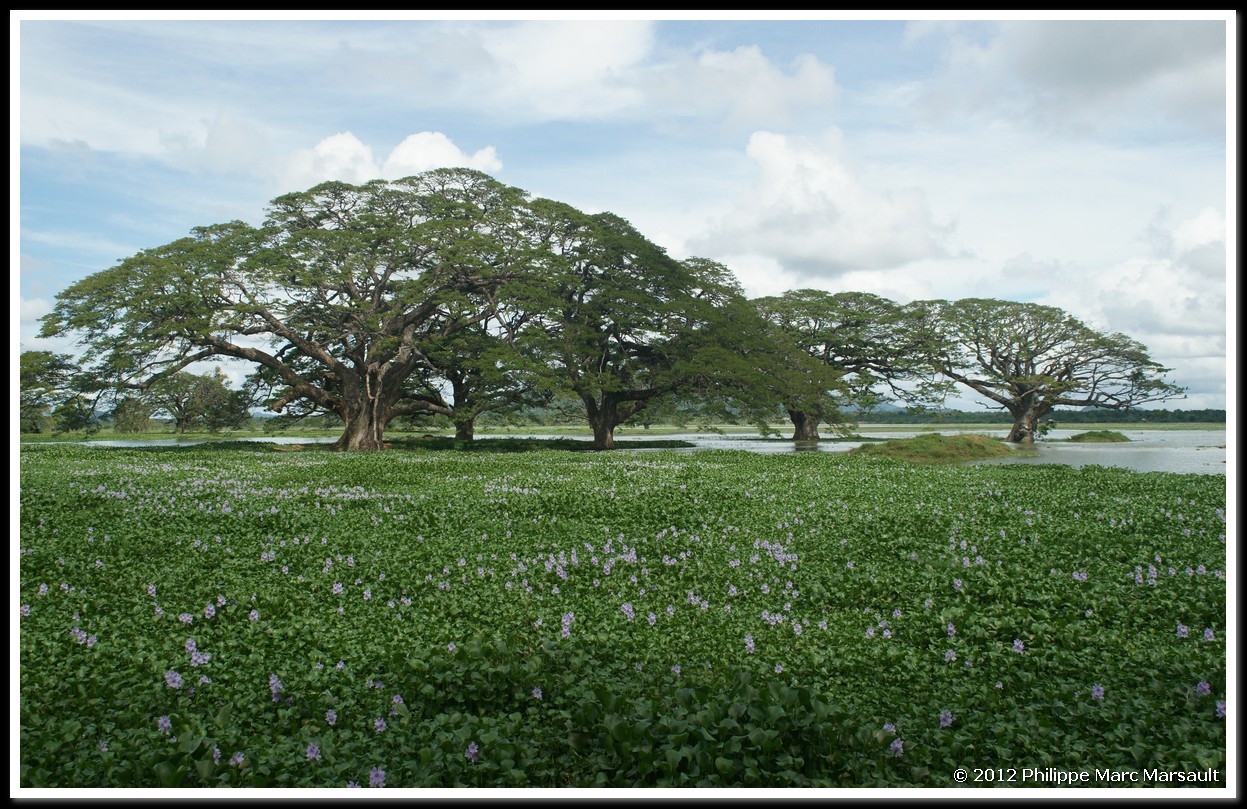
point(1099, 437)
point(132, 415)
point(936, 448)
point(911, 586)
point(199, 401)
point(53, 386)
point(1030, 359)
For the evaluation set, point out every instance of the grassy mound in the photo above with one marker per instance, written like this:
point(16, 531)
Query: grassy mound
point(937, 448)
point(1098, 437)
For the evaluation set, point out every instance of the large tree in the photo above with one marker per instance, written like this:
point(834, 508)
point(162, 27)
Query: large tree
point(199, 400)
point(333, 298)
point(1029, 359)
point(623, 325)
point(876, 345)
point(55, 385)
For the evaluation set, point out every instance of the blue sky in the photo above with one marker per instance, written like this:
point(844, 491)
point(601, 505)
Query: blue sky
point(1081, 164)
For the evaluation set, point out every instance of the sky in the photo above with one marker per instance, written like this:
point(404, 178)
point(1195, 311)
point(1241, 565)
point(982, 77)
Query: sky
point(1080, 164)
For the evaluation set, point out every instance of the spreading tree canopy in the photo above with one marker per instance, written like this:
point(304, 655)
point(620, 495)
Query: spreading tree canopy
point(1029, 359)
point(874, 344)
point(333, 298)
point(622, 326)
point(446, 292)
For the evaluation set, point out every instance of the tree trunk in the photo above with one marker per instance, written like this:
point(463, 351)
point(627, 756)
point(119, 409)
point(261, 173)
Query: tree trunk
point(602, 420)
point(365, 429)
point(465, 429)
point(805, 424)
point(1025, 424)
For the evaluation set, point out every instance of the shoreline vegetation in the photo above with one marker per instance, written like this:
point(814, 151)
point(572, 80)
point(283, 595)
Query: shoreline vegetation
point(780, 432)
point(938, 448)
point(1098, 437)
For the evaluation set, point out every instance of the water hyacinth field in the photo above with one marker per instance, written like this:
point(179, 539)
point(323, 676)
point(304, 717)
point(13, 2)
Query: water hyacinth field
point(215, 616)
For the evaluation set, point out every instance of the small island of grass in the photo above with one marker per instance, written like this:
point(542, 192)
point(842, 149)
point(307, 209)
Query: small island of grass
point(937, 448)
point(1098, 437)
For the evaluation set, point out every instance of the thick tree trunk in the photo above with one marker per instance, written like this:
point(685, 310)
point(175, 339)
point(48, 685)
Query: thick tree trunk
point(805, 425)
point(602, 418)
point(1025, 424)
point(364, 430)
point(465, 429)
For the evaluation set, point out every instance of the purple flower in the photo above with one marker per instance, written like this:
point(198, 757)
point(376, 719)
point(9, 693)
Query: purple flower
point(253, 616)
point(946, 718)
point(216, 754)
point(537, 692)
point(25, 610)
point(627, 610)
point(950, 656)
point(164, 724)
point(1208, 634)
point(567, 624)
point(379, 725)
point(1203, 688)
point(749, 644)
point(352, 785)
point(1182, 630)
point(337, 588)
point(275, 686)
point(151, 589)
point(103, 747)
point(779, 669)
point(652, 618)
point(473, 753)
point(450, 647)
point(376, 778)
point(209, 611)
point(173, 679)
point(1220, 709)
point(952, 630)
point(313, 752)
point(1018, 646)
point(237, 759)
point(675, 669)
point(186, 618)
point(897, 747)
point(331, 716)
point(957, 584)
point(1097, 691)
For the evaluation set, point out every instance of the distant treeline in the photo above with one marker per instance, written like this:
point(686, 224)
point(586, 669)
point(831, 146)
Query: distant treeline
point(1059, 416)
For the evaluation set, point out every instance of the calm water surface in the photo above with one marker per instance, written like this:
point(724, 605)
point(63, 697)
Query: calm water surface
point(1183, 451)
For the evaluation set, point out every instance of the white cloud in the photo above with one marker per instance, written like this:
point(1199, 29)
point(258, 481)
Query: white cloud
point(1085, 75)
point(34, 308)
point(564, 69)
point(346, 158)
point(742, 87)
point(341, 157)
point(1173, 300)
point(809, 211)
point(430, 150)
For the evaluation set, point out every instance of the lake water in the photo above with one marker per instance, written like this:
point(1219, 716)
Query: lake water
point(1183, 451)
